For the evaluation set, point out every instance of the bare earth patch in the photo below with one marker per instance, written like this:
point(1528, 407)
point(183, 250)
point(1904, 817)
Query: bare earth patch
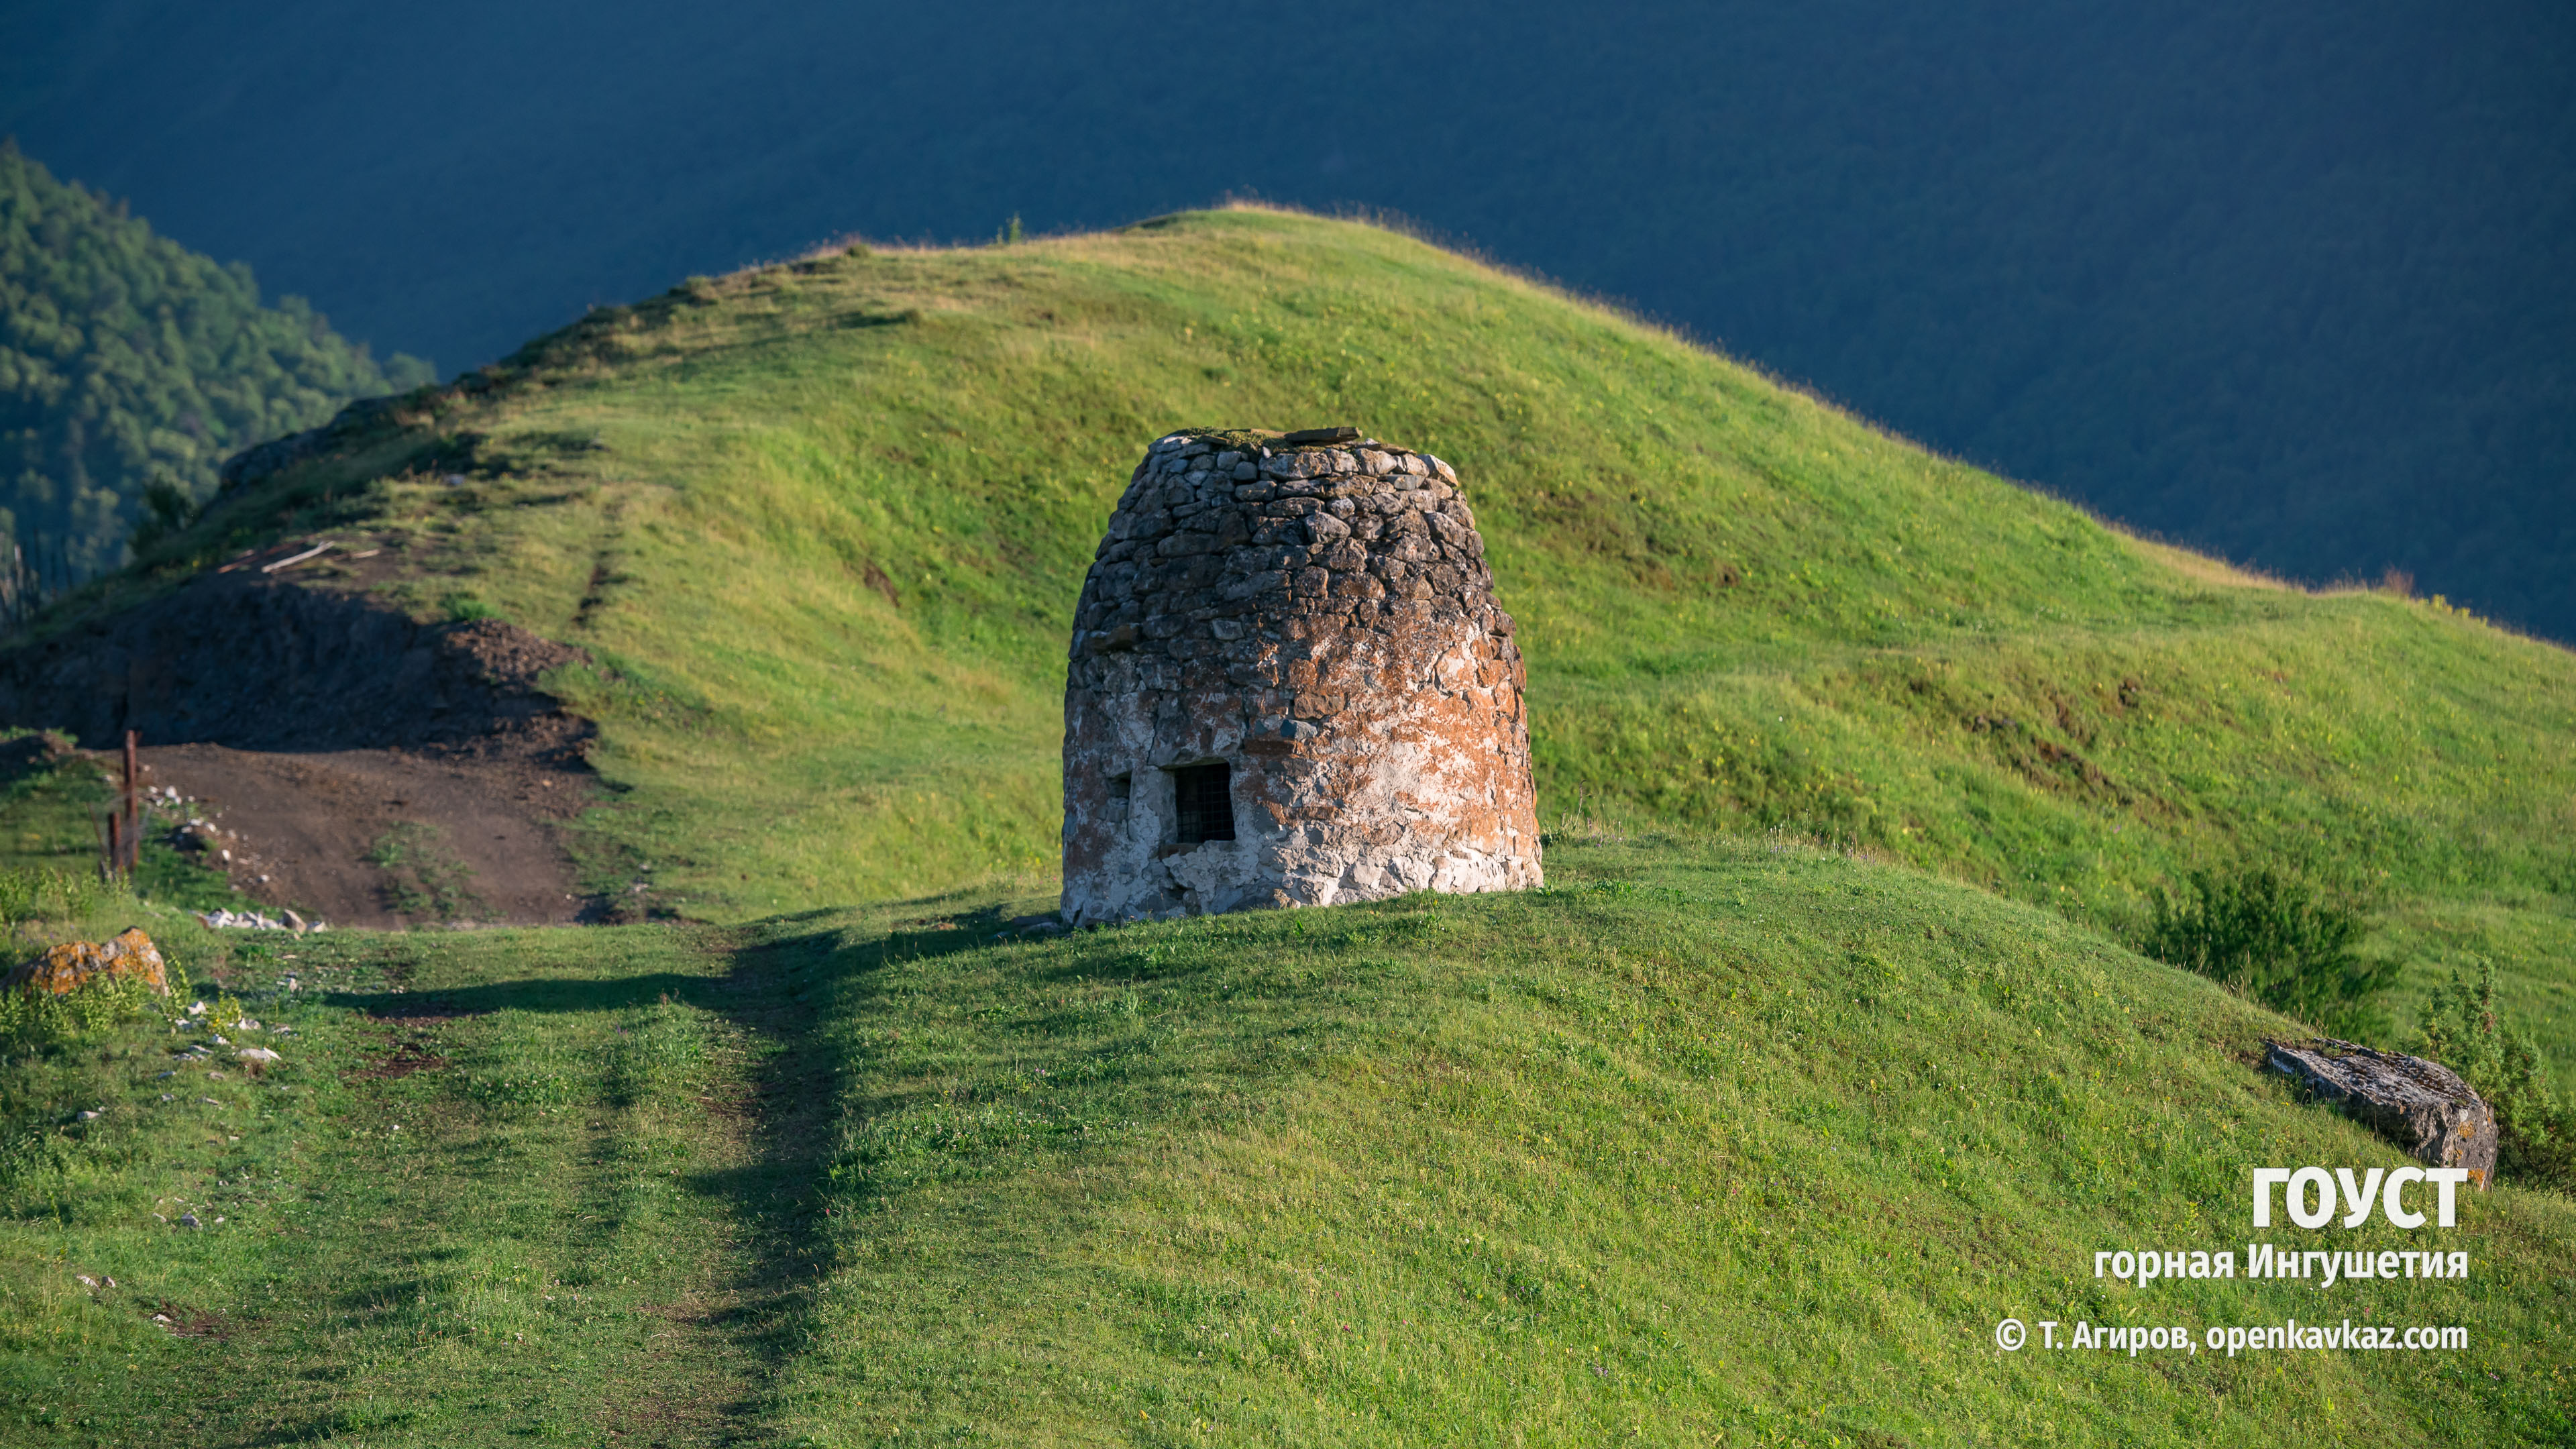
point(359, 765)
point(317, 827)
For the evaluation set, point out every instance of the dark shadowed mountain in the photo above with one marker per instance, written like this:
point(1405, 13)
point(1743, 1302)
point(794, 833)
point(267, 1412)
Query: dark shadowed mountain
point(130, 367)
point(2285, 282)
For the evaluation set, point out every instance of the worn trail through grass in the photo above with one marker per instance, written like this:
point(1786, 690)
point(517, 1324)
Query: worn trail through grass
point(504, 1186)
point(1739, 1141)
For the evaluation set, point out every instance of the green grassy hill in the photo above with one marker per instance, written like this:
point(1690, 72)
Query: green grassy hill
point(1741, 1144)
point(825, 522)
point(1820, 1056)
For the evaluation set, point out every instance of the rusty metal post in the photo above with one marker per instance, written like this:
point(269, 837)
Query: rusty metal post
point(133, 812)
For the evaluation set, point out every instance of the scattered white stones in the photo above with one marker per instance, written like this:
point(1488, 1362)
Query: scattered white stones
point(91, 1114)
point(260, 1055)
point(186, 1220)
point(222, 920)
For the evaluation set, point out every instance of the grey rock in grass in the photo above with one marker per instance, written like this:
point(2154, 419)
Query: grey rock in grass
point(2421, 1105)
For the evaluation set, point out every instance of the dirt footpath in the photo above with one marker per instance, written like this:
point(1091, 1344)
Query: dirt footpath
point(385, 837)
point(355, 764)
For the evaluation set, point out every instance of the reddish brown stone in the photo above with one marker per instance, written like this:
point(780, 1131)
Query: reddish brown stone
point(74, 964)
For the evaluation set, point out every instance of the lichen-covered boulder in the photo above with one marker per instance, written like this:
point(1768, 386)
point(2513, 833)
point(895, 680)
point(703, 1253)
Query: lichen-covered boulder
point(2421, 1105)
point(75, 964)
point(1290, 684)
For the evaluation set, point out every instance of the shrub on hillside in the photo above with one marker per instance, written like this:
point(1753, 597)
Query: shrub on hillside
point(2276, 941)
point(2536, 1133)
point(50, 895)
point(167, 511)
point(37, 1019)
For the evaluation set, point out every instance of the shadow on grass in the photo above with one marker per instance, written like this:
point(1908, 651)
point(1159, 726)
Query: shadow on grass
point(782, 989)
point(778, 992)
point(545, 995)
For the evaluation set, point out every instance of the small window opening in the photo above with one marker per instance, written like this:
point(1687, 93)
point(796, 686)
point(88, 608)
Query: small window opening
point(1118, 788)
point(1205, 801)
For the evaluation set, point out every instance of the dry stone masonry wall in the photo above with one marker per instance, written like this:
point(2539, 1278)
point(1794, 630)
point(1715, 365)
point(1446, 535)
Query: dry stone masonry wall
point(1290, 685)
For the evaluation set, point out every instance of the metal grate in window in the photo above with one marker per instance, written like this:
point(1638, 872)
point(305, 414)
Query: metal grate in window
point(1206, 803)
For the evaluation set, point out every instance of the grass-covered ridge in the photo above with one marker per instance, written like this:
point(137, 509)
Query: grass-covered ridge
point(1713, 1135)
point(824, 523)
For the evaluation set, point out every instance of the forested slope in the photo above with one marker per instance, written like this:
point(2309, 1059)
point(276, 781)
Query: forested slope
point(126, 360)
